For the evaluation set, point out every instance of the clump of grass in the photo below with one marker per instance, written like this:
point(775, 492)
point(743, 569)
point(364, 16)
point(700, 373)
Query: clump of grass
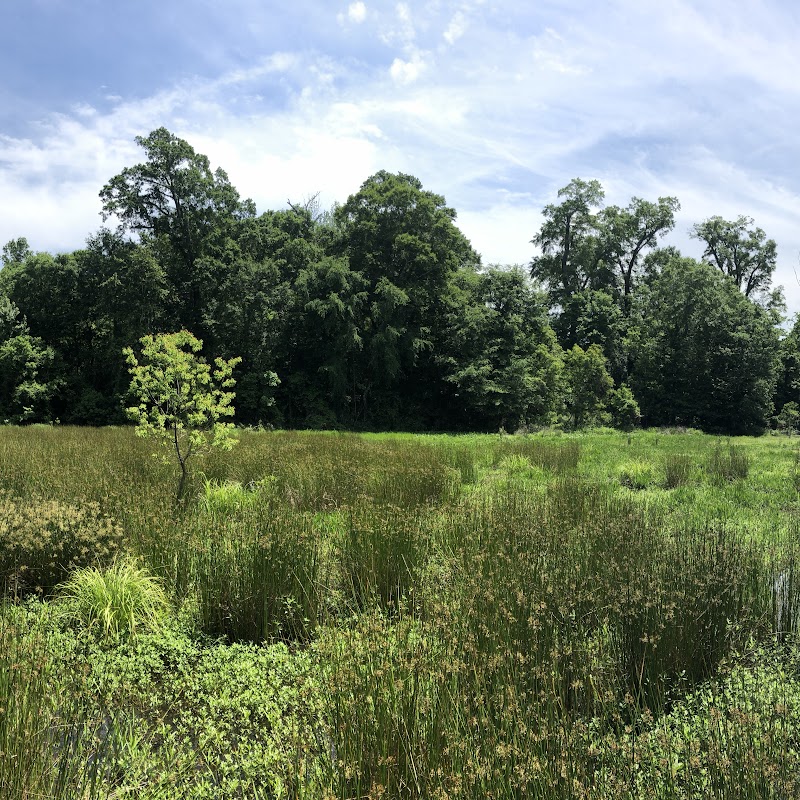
point(558, 458)
point(518, 467)
point(637, 475)
point(380, 551)
point(119, 600)
point(255, 574)
point(226, 497)
point(677, 470)
point(728, 464)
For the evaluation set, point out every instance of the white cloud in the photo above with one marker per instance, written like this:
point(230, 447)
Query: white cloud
point(405, 72)
point(456, 28)
point(357, 12)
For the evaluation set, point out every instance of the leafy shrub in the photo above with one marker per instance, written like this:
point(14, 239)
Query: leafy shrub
point(119, 600)
point(788, 421)
point(43, 541)
point(625, 413)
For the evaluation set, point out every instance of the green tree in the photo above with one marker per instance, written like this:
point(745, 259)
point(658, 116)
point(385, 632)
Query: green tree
point(589, 385)
point(16, 251)
point(569, 251)
point(180, 401)
point(788, 386)
point(403, 243)
point(189, 213)
point(500, 358)
point(26, 387)
point(704, 355)
point(626, 233)
point(596, 318)
point(740, 251)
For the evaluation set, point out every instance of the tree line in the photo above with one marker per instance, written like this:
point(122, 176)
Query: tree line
point(378, 314)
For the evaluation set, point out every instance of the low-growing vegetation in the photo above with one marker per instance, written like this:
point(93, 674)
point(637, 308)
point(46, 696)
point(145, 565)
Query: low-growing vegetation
point(329, 615)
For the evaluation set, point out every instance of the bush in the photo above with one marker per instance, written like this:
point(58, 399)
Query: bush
point(43, 541)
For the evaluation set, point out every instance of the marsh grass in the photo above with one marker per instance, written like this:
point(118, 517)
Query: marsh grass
point(255, 574)
point(53, 744)
point(728, 464)
point(678, 469)
point(42, 541)
point(468, 617)
point(638, 475)
point(381, 550)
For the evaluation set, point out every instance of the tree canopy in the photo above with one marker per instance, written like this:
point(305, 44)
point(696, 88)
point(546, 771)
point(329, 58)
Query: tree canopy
point(378, 314)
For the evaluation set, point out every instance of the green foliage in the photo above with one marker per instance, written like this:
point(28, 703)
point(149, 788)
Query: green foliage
point(185, 211)
point(25, 362)
point(626, 233)
point(118, 600)
point(568, 262)
point(403, 242)
point(254, 573)
point(704, 355)
point(500, 356)
point(228, 497)
point(181, 403)
point(623, 408)
point(788, 420)
point(739, 251)
point(589, 385)
point(42, 541)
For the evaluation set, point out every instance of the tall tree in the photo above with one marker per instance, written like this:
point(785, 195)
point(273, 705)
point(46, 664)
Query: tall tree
point(16, 251)
point(704, 354)
point(188, 211)
point(403, 242)
point(626, 233)
point(500, 358)
point(567, 241)
point(739, 250)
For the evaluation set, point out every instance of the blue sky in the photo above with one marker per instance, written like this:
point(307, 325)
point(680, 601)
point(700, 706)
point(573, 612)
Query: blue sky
point(494, 104)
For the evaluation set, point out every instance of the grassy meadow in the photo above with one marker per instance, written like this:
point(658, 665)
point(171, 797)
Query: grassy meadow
point(595, 615)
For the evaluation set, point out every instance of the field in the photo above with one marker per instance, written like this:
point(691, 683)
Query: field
point(599, 615)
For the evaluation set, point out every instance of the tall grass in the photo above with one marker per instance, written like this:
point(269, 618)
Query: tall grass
point(52, 743)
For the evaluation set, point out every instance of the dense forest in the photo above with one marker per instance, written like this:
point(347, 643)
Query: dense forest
point(378, 314)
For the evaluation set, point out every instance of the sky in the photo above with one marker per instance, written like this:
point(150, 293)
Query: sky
point(492, 103)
